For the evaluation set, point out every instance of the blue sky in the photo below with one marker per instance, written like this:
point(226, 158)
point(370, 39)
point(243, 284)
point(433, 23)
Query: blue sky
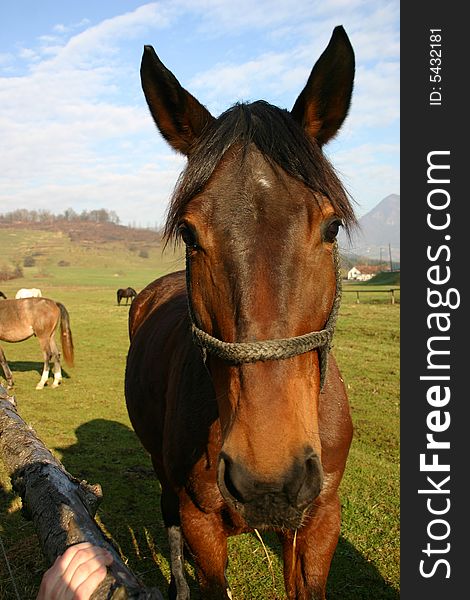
point(75, 131)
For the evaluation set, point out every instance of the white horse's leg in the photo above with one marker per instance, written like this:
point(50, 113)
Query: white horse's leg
point(57, 375)
point(45, 375)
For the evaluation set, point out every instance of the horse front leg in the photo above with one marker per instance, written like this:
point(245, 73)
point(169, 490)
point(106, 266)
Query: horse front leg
point(44, 376)
point(206, 539)
point(179, 589)
point(308, 552)
point(6, 369)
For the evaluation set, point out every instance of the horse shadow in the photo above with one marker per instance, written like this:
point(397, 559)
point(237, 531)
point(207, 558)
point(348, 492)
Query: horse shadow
point(109, 453)
point(351, 576)
point(23, 366)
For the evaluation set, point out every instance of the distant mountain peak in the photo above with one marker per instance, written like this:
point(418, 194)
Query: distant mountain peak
point(378, 230)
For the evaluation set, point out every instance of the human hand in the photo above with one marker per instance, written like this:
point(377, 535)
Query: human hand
point(75, 574)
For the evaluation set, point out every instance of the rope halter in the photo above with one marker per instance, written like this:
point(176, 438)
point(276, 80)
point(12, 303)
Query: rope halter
point(277, 349)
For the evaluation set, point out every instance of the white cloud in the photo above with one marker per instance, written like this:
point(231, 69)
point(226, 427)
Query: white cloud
point(227, 83)
point(369, 171)
point(61, 28)
point(62, 124)
point(28, 54)
point(376, 96)
point(220, 16)
point(142, 196)
point(5, 58)
point(375, 99)
point(74, 130)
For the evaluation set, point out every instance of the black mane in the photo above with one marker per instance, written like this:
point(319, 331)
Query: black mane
point(278, 137)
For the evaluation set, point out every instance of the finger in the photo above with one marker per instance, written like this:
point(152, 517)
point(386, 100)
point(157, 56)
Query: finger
point(85, 572)
point(52, 576)
point(84, 589)
point(84, 562)
point(62, 563)
point(81, 562)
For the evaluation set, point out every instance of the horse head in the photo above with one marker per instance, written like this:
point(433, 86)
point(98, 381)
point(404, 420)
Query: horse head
point(258, 208)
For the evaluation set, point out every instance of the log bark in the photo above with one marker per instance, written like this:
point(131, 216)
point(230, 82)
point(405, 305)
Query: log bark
point(61, 508)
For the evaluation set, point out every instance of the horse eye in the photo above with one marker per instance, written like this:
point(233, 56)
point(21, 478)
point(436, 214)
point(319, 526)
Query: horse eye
point(331, 230)
point(188, 235)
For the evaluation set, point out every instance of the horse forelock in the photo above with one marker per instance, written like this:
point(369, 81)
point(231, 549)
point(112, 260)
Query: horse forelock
point(281, 141)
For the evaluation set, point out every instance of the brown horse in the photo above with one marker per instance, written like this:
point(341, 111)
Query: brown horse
point(125, 293)
point(21, 319)
point(227, 381)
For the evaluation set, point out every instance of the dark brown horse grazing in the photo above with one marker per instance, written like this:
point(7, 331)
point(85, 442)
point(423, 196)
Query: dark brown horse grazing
point(227, 382)
point(21, 319)
point(125, 293)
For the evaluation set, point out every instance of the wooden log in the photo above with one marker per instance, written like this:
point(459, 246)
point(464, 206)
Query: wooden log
point(61, 508)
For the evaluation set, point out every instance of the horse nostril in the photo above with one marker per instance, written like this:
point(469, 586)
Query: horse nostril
point(313, 480)
point(231, 478)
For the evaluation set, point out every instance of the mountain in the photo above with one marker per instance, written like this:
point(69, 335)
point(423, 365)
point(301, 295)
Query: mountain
point(378, 230)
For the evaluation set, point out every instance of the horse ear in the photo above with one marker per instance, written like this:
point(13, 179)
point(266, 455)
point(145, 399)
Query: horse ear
point(323, 104)
point(178, 115)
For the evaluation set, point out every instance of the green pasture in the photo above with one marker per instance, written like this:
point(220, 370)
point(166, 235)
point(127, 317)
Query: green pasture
point(85, 423)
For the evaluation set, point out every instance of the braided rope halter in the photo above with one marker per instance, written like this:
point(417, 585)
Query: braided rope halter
point(276, 349)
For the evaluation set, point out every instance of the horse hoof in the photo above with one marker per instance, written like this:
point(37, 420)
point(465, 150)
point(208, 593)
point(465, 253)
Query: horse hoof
point(40, 386)
point(56, 384)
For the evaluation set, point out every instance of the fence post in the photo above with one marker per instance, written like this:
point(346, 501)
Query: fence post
point(357, 297)
point(393, 297)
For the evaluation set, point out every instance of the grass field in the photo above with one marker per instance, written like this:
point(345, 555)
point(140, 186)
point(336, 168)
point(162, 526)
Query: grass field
point(85, 424)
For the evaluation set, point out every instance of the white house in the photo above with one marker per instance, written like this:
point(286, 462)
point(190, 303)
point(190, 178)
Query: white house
point(353, 273)
point(363, 274)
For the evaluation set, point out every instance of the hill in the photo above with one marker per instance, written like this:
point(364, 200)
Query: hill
point(381, 225)
point(379, 231)
point(384, 278)
point(37, 249)
point(87, 231)
point(61, 250)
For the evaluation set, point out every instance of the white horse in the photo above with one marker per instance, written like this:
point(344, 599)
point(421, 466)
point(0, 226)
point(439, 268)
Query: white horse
point(28, 293)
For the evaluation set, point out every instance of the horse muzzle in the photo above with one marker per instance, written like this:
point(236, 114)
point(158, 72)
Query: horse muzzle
point(279, 504)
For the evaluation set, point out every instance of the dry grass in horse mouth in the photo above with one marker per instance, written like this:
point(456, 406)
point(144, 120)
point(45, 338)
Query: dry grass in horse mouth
point(270, 564)
point(294, 545)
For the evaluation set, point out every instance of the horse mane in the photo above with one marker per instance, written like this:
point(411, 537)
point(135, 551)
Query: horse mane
point(278, 137)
